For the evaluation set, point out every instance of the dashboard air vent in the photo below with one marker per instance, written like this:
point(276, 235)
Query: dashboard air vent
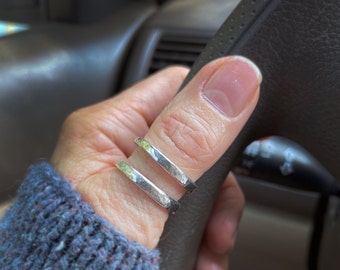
point(172, 50)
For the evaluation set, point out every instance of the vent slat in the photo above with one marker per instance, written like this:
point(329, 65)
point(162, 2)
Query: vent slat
point(170, 56)
point(181, 46)
point(182, 50)
point(185, 38)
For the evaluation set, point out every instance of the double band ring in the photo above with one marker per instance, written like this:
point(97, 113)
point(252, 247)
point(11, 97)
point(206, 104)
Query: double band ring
point(148, 186)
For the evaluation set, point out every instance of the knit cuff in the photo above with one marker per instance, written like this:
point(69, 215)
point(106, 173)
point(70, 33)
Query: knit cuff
point(50, 227)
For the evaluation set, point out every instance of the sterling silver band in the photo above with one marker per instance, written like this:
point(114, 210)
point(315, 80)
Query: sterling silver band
point(148, 187)
point(166, 164)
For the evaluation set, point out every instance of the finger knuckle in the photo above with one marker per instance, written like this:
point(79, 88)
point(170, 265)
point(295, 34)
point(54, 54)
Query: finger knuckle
point(191, 137)
point(178, 71)
point(73, 117)
point(75, 122)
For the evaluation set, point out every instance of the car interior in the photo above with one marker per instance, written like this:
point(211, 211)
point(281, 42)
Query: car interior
point(60, 55)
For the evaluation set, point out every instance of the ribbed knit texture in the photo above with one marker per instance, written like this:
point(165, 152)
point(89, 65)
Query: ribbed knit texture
point(50, 227)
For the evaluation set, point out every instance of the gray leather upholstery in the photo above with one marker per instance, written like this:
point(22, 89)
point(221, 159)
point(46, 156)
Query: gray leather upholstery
point(48, 72)
point(296, 45)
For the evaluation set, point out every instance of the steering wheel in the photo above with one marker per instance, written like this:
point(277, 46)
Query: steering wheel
point(296, 46)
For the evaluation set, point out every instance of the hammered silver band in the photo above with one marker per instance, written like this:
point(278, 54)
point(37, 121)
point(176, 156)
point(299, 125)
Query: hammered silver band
point(148, 187)
point(167, 165)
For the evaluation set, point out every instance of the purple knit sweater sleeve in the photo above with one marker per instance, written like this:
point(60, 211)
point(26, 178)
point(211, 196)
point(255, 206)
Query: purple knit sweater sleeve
point(50, 227)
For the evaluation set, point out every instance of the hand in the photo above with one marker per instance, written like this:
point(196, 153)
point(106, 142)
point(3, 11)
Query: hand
point(194, 130)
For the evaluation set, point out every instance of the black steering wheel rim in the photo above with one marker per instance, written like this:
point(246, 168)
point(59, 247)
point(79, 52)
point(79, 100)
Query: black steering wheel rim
point(296, 46)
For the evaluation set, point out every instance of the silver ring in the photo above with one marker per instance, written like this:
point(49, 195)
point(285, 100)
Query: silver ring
point(148, 187)
point(167, 165)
